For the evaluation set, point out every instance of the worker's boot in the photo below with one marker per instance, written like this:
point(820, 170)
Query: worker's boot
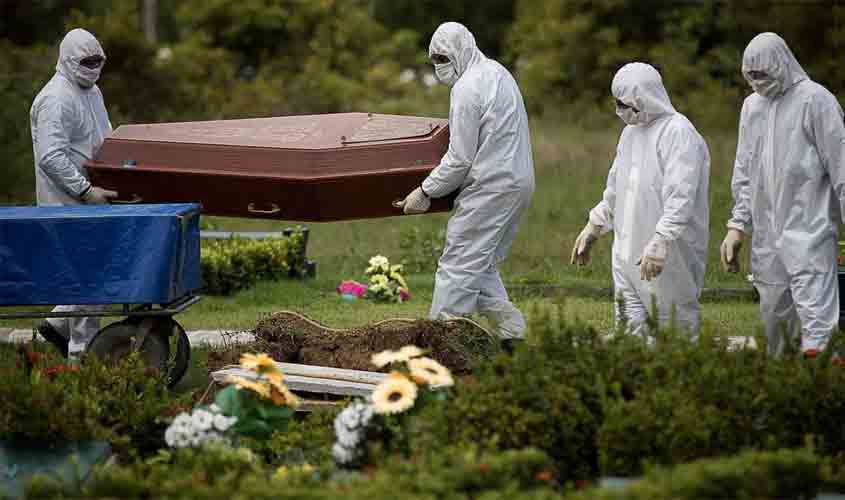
point(51, 335)
point(509, 345)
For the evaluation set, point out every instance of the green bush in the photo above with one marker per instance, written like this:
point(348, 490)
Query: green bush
point(766, 475)
point(44, 401)
point(545, 397)
point(232, 264)
point(216, 472)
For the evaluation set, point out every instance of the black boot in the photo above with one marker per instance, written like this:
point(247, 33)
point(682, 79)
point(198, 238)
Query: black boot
point(46, 330)
point(509, 345)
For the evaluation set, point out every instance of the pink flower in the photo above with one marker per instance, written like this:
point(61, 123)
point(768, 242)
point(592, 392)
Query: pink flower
point(404, 294)
point(350, 287)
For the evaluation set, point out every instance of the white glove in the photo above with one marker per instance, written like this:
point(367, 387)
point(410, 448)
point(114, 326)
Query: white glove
point(654, 258)
point(98, 196)
point(581, 250)
point(730, 250)
point(416, 202)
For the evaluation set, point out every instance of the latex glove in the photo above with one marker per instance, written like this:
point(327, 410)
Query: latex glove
point(581, 250)
point(654, 258)
point(416, 202)
point(98, 196)
point(730, 250)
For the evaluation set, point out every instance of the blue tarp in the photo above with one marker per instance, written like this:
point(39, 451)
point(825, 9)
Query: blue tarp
point(99, 254)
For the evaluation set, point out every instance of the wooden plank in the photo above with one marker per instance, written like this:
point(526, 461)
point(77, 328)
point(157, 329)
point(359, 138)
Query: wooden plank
point(331, 373)
point(306, 384)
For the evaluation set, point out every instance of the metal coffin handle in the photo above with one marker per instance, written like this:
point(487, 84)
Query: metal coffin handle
point(397, 203)
point(273, 211)
point(135, 199)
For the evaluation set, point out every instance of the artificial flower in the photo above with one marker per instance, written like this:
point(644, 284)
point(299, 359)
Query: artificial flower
point(242, 383)
point(394, 394)
point(430, 372)
point(261, 363)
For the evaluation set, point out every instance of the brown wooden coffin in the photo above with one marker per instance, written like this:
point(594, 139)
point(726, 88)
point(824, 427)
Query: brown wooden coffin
point(301, 168)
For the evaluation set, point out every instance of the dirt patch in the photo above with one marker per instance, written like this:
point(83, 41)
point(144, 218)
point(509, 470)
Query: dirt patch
point(291, 338)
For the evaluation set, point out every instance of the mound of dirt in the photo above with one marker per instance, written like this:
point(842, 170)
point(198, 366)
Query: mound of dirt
point(292, 338)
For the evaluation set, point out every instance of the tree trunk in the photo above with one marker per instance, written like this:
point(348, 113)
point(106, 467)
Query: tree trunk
point(149, 19)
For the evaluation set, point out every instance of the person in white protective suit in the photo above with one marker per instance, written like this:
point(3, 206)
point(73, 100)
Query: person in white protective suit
point(656, 205)
point(788, 188)
point(69, 123)
point(489, 162)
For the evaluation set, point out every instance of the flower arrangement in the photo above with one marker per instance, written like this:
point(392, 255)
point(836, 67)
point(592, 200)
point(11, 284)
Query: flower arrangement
point(386, 283)
point(250, 407)
point(414, 381)
point(198, 428)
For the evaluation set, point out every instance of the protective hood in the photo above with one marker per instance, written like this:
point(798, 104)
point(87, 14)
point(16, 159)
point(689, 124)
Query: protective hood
point(76, 46)
point(454, 41)
point(639, 85)
point(768, 53)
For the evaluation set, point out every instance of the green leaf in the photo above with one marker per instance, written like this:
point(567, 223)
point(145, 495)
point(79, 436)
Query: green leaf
point(229, 401)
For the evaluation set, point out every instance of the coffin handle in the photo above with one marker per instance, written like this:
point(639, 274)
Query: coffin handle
point(273, 211)
point(397, 203)
point(135, 199)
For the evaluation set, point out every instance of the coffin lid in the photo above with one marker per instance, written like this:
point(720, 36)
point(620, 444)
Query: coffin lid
point(306, 132)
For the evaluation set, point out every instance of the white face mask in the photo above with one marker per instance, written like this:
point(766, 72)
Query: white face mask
point(87, 77)
point(767, 87)
point(446, 73)
point(628, 115)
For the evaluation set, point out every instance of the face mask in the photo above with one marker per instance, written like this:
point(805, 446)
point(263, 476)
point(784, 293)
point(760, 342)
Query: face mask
point(766, 87)
point(628, 115)
point(446, 73)
point(87, 77)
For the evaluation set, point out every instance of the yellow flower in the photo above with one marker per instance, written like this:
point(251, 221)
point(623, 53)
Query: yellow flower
point(242, 383)
point(281, 395)
point(284, 470)
point(394, 394)
point(430, 372)
point(261, 363)
point(410, 351)
point(385, 358)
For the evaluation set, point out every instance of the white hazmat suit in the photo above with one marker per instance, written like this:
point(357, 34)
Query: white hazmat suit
point(69, 123)
point(656, 205)
point(489, 161)
point(788, 187)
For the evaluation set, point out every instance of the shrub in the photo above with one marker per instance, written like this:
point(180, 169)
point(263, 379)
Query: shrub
point(43, 401)
point(758, 475)
point(233, 264)
point(545, 397)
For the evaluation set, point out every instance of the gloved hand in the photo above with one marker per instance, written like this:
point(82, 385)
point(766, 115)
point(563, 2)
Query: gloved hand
point(581, 250)
point(98, 196)
point(730, 250)
point(416, 202)
point(654, 258)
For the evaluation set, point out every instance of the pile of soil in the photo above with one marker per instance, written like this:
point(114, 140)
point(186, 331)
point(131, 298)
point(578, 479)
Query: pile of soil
point(292, 338)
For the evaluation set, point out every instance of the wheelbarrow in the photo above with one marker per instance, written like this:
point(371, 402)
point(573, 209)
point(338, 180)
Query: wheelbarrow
point(139, 262)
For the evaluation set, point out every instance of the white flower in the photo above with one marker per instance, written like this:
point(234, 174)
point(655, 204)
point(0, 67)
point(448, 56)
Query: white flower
point(214, 408)
point(379, 261)
point(379, 280)
point(348, 438)
point(183, 422)
point(222, 422)
point(343, 455)
point(203, 420)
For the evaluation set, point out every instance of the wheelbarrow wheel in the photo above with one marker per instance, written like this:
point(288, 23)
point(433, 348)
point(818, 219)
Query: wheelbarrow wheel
point(173, 332)
point(117, 340)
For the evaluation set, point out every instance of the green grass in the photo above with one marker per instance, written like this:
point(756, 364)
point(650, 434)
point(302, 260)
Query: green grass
point(571, 170)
